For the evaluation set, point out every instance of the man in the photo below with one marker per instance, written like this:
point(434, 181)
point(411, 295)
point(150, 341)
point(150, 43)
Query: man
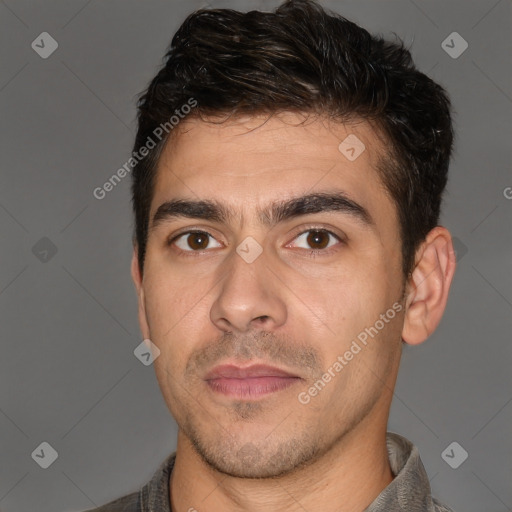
point(288, 173)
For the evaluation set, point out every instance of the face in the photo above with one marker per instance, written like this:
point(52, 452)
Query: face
point(273, 288)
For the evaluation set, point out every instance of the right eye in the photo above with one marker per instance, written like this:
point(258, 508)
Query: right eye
point(194, 241)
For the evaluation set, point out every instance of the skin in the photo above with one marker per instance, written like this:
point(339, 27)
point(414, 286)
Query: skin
point(292, 307)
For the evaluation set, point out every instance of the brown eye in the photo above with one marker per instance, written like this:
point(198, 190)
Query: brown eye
point(318, 239)
point(196, 241)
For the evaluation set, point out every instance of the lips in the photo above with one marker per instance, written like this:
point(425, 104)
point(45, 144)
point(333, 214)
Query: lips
point(229, 371)
point(249, 382)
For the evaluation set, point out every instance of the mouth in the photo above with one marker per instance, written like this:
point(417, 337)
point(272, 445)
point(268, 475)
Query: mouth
point(250, 382)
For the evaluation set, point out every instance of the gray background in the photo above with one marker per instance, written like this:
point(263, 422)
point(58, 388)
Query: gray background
point(68, 375)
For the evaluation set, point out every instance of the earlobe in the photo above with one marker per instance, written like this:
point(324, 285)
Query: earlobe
point(429, 286)
point(135, 270)
point(137, 280)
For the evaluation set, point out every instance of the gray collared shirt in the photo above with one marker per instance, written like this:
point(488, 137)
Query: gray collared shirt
point(408, 492)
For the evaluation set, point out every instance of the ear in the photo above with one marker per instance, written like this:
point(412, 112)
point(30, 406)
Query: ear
point(428, 286)
point(137, 280)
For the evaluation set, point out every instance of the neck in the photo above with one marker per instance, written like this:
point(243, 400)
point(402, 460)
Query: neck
point(348, 477)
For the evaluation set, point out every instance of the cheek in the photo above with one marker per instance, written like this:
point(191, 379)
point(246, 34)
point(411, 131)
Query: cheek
point(178, 314)
point(341, 306)
point(344, 296)
point(172, 299)
point(164, 310)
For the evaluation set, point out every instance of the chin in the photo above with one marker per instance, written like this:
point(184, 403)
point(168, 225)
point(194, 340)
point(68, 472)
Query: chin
point(240, 458)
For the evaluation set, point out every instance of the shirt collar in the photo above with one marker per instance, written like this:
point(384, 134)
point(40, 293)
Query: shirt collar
point(410, 489)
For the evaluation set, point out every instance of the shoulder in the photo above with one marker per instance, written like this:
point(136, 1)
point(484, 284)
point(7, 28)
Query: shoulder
point(439, 507)
point(155, 494)
point(128, 503)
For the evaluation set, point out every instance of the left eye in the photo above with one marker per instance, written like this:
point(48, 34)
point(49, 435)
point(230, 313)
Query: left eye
point(196, 241)
point(316, 239)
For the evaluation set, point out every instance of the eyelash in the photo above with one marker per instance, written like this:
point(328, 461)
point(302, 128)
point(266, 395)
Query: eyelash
point(311, 252)
point(173, 239)
point(318, 252)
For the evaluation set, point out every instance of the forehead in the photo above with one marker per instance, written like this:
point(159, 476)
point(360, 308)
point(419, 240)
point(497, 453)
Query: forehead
point(252, 160)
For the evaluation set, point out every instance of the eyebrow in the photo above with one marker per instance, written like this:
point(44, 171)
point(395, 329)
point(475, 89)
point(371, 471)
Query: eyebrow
point(278, 211)
point(191, 209)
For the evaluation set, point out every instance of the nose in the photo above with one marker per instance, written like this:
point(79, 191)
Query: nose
point(249, 298)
